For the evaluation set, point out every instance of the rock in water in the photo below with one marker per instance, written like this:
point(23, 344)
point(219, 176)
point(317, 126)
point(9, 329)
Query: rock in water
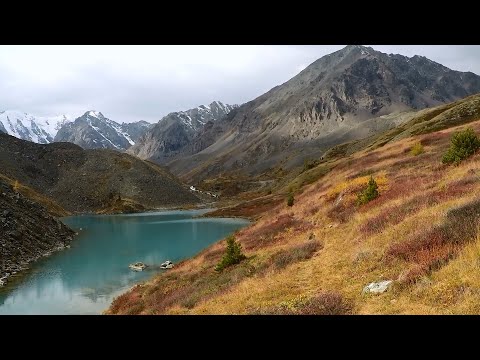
point(377, 287)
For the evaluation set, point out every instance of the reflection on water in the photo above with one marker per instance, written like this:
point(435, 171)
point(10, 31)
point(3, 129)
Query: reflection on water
point(85, 278)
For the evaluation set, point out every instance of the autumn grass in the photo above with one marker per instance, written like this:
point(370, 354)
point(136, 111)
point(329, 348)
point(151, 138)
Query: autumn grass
point(251, 209)
point(122, 206)
point(301, 252)
point(324, 303)
point(316, 256)
point(52, 207)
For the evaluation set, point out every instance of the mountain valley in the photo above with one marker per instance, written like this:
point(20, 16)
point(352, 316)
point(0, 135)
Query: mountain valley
point(351, 188)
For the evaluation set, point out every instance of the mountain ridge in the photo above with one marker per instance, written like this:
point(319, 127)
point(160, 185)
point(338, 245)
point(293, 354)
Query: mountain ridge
point(317, 108)
point(93, 130)
point(176, 130)
point(39, 129)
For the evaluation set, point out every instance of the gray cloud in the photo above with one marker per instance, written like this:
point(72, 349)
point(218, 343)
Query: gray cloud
point(131, 83)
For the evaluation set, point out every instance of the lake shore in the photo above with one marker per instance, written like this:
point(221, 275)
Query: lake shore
point(84, 279)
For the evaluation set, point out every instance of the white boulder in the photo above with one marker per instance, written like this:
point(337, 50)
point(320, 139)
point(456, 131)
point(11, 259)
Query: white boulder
point(377, 287)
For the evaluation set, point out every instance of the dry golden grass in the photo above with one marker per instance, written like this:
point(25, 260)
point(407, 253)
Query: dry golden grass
point(356, 184)
point(407, 234)
point(122, 206)
point(28, 192)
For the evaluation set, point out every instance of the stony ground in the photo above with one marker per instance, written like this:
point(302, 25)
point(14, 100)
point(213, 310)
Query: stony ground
point(27, 232)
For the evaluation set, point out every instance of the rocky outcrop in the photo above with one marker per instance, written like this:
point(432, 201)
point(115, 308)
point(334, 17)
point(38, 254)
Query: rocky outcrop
point(135, 130)
point(27, 232)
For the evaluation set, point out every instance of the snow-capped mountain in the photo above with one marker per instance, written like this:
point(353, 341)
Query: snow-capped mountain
point(176, 130)
point(29, 127)
point(195, 119)
point(93, 130)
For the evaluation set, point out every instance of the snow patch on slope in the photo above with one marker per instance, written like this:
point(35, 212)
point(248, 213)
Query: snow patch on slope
point(197, 117)
point(103, 136)
point(32, 128)
point(118, 128)
point(95, 114)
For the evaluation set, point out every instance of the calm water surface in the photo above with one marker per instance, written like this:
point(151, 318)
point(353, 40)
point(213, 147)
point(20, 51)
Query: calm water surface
point(85, 278)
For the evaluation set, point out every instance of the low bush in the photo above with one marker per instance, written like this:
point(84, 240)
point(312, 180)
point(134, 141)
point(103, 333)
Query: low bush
point(271, 232)
point(281, 223)
point(313, 210)
point(432, 248)
point(341, 212)
point(290, 200)
point(324, 303)
point(308, 164)
point(417, 149)
point(296, 253)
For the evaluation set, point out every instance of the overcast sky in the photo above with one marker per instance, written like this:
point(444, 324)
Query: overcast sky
point(131, 83)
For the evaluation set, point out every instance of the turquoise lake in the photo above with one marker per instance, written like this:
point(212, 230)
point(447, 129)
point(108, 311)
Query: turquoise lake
point(85, 278)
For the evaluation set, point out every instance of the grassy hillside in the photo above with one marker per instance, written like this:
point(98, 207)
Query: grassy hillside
point(319, 254)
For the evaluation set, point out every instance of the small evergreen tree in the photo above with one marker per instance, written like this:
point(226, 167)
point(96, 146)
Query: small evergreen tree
point(290, 200)
point(233, 254)
point(369, 193)
point(463, 144)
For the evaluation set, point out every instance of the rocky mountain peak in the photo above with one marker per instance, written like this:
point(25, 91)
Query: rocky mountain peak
point(93, 130)
point(39, 129)
point(325, 104)
point(357, 48)
point(176, 130)
point(94, 114)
